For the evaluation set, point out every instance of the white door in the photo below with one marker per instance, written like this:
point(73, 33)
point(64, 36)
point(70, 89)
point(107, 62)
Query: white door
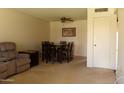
point(104, 43)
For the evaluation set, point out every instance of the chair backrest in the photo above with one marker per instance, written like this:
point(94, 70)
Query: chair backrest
point(71, 46)
point(72, 50)
point(63, 42)
point(44, 45)
point(68, 45)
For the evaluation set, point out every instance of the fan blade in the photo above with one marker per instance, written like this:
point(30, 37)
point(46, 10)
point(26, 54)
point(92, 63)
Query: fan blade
point(69, 19)
point(64, 19)
point(56, 20)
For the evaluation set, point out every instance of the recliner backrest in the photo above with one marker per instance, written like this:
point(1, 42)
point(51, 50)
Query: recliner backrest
point(7, 51)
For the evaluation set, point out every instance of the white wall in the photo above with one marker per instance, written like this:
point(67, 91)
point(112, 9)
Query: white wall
point(80, 41)
point(25, 30)
point(120, 70)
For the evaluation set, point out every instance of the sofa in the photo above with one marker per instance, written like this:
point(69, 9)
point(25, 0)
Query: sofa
point(11, 62)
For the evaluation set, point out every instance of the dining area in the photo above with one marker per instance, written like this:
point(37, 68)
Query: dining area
point(57, 52)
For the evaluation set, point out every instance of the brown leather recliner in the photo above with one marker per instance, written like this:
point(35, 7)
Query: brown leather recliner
point(14, 62)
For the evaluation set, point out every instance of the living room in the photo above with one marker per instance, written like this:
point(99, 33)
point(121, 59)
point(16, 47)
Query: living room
point(28, 28)
point(93, 27)
point(28, 31)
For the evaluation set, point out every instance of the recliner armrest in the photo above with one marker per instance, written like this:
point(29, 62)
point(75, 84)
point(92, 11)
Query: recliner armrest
point(23, 56)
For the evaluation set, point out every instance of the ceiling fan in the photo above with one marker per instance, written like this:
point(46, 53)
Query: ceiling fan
point(65, 19)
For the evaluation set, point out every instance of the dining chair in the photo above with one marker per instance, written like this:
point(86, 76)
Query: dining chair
point(68, 52)
point(52, 52)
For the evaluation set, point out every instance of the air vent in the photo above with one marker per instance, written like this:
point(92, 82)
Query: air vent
point(101, 9)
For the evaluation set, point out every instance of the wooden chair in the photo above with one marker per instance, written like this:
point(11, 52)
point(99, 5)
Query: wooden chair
point(68, 52)
point(52, 52)
point(46, 51)
point(60, 54)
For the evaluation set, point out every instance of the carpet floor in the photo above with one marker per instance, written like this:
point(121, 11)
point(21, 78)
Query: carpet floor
point(74, 72)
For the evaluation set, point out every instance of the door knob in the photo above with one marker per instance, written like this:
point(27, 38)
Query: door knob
point(94, 45)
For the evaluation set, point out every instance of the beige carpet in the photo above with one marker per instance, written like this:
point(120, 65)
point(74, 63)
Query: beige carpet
point(74, 72)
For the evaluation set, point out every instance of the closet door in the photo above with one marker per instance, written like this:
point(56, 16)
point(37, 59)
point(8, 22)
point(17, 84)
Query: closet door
point(102, 36)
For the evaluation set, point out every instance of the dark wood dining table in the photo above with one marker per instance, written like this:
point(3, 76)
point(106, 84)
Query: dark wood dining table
point(56, 52)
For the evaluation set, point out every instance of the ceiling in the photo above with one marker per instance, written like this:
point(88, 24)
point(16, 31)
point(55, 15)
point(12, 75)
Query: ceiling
point(51, 14)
